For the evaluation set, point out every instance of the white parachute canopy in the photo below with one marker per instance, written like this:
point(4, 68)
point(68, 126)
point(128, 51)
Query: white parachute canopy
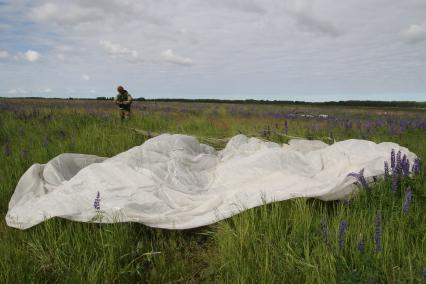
point(174, 182)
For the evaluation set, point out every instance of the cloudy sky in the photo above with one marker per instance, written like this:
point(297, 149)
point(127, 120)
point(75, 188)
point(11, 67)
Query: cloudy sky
point(310, 50)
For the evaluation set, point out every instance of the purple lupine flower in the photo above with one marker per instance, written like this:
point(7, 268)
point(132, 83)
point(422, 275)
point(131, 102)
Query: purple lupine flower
point(393, 159)
point(404, 159)
point(361, 246)
point(424, 273)
point(395, 182)
point(286, 127)
point(386, 170)
point(342, 229)
point(360, 178)
point(406, 167)
point(416, 166)
point(97, 202)
point(407, 200)
point(325, 231)
point(378, 232)
point(398, 165)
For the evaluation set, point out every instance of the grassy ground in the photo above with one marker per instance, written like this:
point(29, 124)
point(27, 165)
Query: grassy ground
point(294, 241)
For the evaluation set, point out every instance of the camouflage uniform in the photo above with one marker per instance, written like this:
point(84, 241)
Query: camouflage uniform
point(124, 100)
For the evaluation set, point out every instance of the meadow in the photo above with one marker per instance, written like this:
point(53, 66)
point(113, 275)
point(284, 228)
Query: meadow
point(378, 236)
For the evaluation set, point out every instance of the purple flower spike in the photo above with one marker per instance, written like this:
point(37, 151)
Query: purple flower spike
point(398, 162)
point(360, 178)
point(324, 228)
point(342, 229)
point(378, 232)
point(395, 182)
point(97, 202)
point(393, 159)
point(424, 273)
point(406, 167)
point(407, 200)
point(386, 170)
point(416, 166)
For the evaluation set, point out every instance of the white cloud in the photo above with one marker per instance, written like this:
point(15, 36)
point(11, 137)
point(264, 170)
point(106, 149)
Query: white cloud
point(115, 50)
point(65, 14)
point(17, 91)
point(4, 54)
point(64, 48)
point(303, 12)
point(415, 33)
point(248, 6)
point(169, 56)
point(30, 56)
point(78, 12)
point(60, 56)
point(45, 90)
point(85, 77)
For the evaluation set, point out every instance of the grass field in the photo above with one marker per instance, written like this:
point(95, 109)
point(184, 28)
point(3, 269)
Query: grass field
point(368, 239)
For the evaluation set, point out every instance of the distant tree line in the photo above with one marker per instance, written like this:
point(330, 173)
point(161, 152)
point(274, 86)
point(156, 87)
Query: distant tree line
point(412, 104)
point(111, 98)
point(329, 103)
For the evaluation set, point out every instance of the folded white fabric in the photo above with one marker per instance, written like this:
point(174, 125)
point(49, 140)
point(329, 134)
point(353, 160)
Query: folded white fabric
point(174, 182)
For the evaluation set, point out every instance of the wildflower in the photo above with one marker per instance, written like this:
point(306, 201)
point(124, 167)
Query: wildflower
point(97, 202)
point(386, 170)
point(286, 127)
point(21, 131)
point(342, 229)
point(324, 229)
point(406, 167)
point(393, 159)
point(398, 164)
point(407, 200)
point(416, 166)
point(424, 273)
point(378, 232)
point(395, 182)
point(360, 178)
point(348, 125)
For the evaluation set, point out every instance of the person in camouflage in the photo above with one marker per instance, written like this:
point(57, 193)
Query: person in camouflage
point(123, 100)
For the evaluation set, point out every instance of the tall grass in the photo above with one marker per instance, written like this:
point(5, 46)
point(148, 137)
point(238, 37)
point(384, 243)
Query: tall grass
point(279, 242)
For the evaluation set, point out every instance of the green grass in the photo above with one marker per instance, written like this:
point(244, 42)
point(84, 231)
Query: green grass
point(278, 242)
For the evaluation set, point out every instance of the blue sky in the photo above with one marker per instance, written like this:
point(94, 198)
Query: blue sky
point(311, 50)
